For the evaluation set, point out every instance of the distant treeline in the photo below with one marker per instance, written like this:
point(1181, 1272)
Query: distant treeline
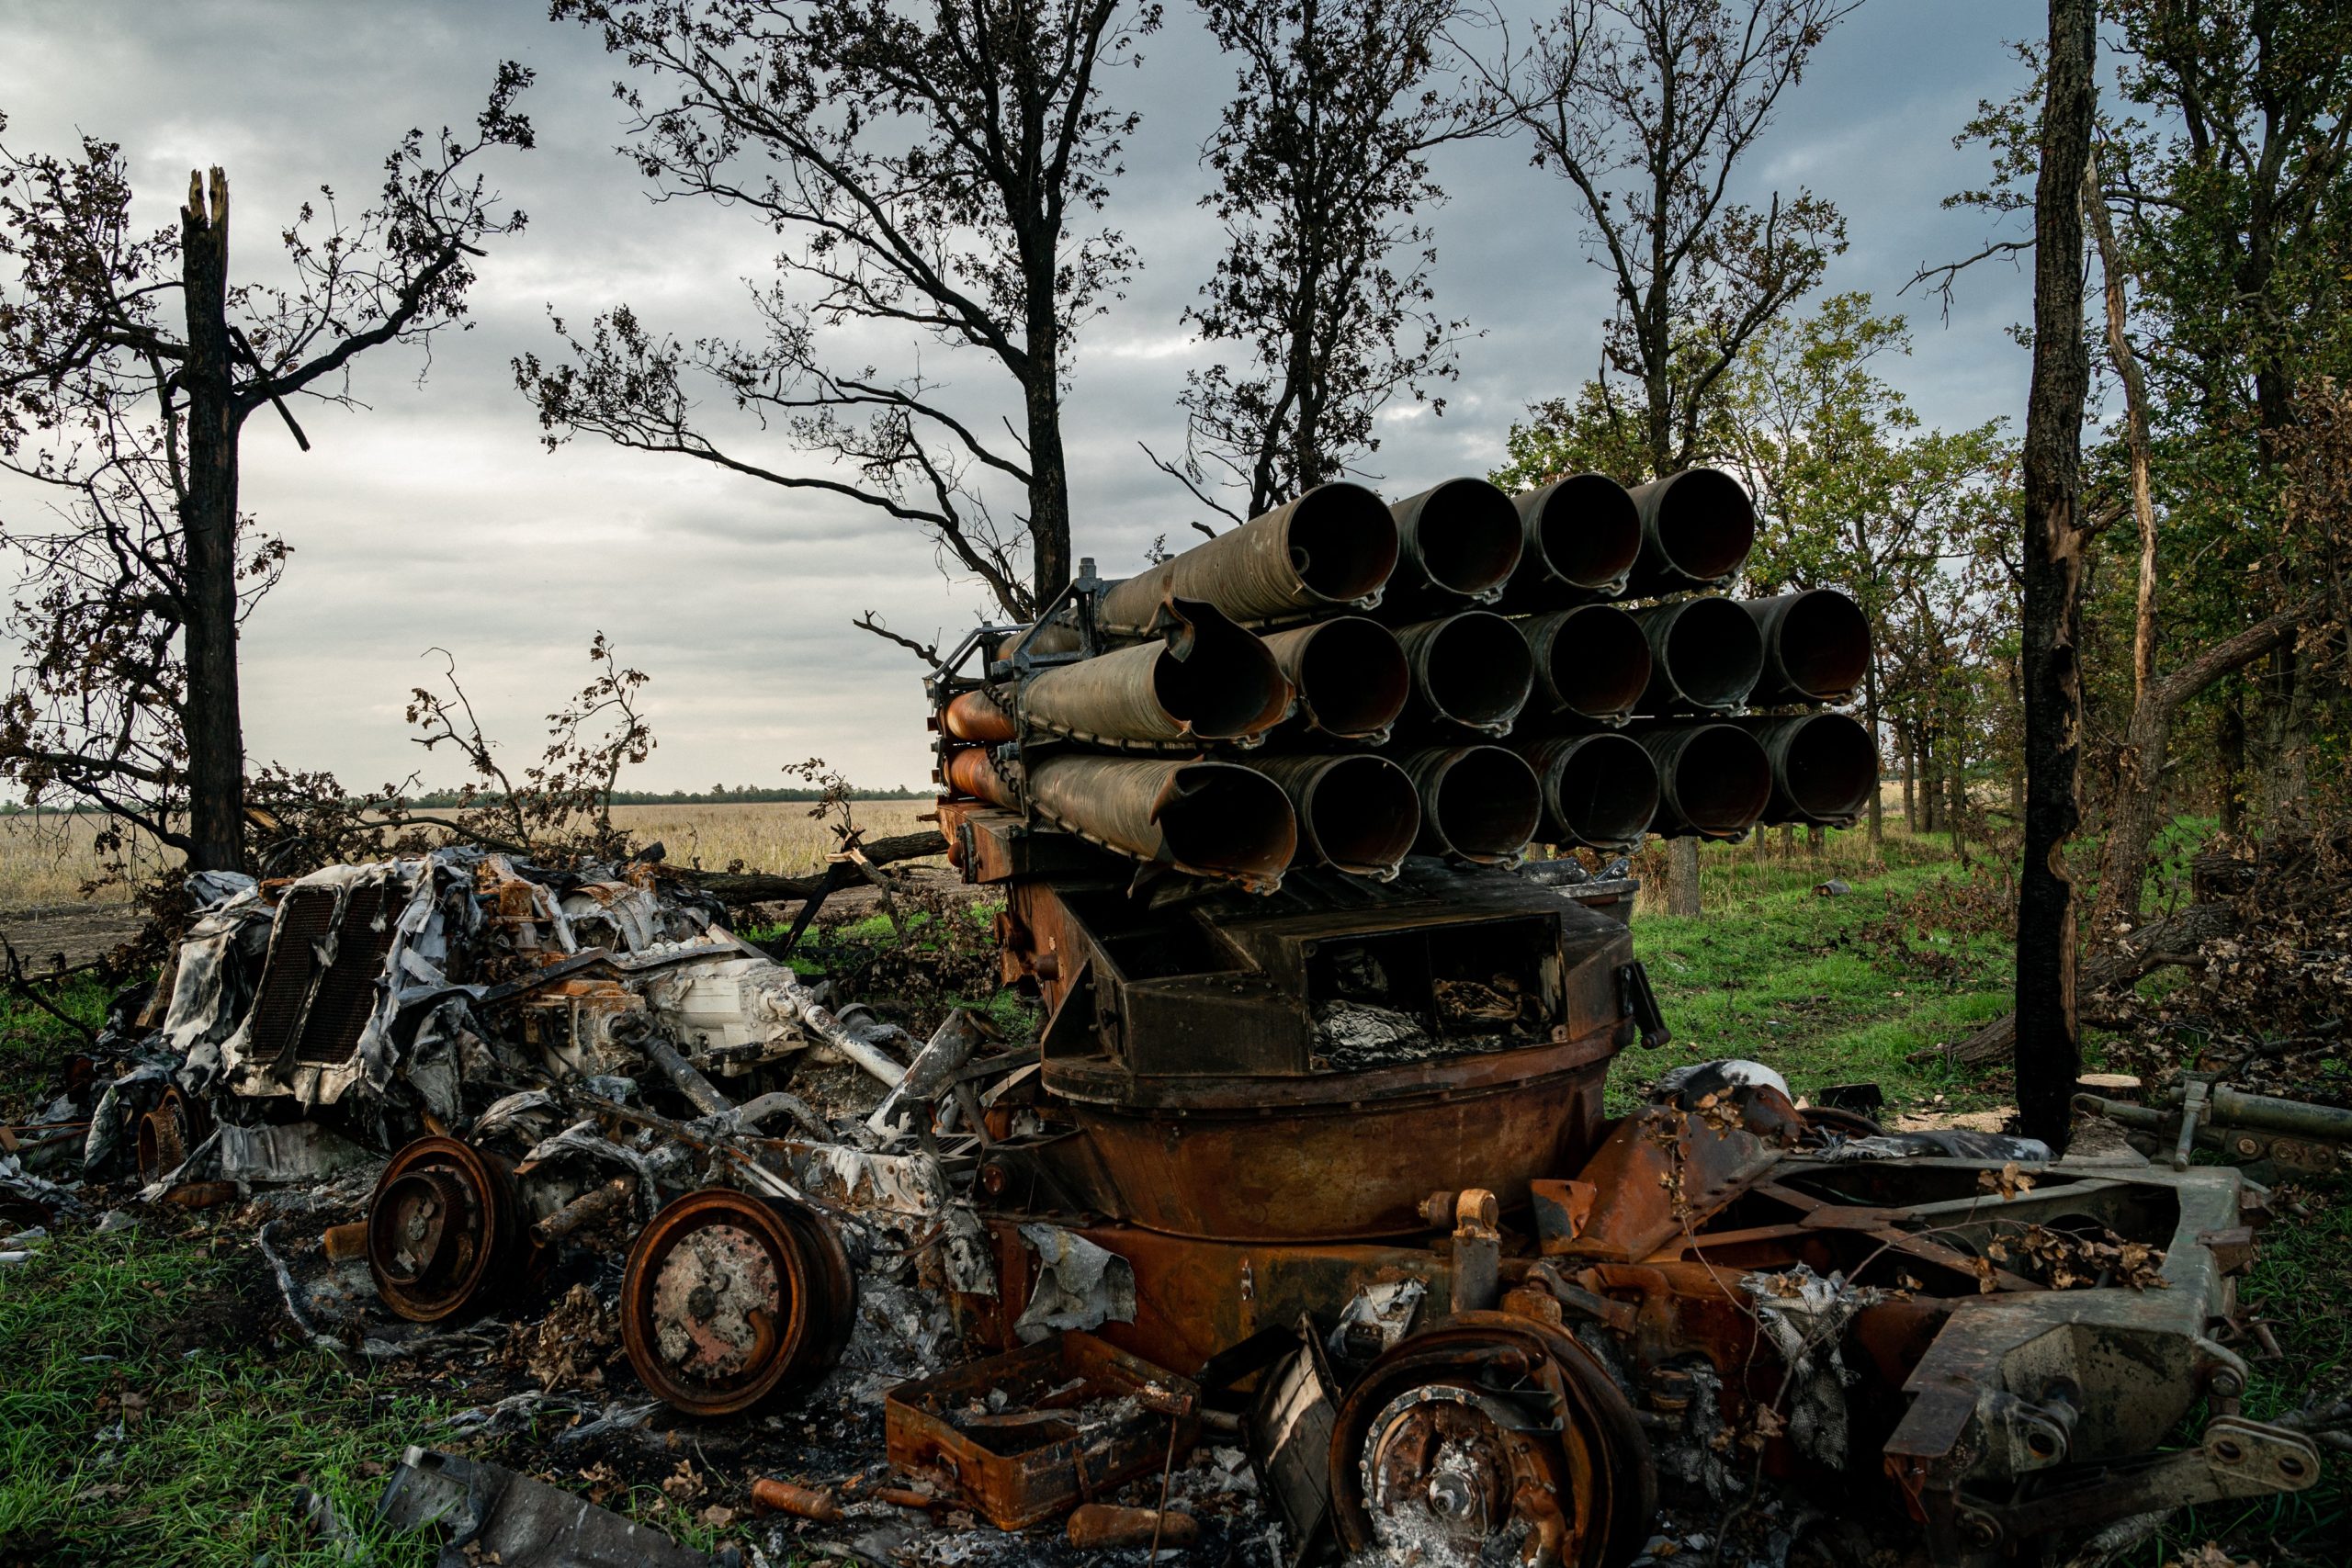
point(442, 799)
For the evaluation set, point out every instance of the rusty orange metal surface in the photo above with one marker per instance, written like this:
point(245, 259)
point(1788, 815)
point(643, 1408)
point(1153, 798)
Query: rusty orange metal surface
point(979, 715)
point(1316, 1158)
point(730, 1298)
point(443, 1228)
point(1025, 1435)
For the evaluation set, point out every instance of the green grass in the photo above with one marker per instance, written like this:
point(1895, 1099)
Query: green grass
point(1818, 987)
point(33, 1041)
point(204, 1471)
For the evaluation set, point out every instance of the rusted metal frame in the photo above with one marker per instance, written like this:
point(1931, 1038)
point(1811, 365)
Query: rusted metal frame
point(1013, 1485)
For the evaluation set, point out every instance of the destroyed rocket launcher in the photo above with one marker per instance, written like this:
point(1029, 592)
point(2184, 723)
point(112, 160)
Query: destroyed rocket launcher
point(1343, 683)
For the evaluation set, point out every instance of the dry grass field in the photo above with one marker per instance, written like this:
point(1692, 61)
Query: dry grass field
point(47, 860)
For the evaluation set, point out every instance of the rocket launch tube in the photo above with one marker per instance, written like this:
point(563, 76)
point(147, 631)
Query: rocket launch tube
point(1332, 548)
point(1697, 527)
point(1714, 780)
point(1478, 803)
point(1349, 673)
point(1216, 819)
point(1473, 670)
point(1816, 647)
point(1592, 662)
point(1581, 537)
point(979, 715)
point(1206, 680)
point(1458, 543)
point(1707, 655)
point(1356, 811)
point(1823, 767)
point(1598, 789)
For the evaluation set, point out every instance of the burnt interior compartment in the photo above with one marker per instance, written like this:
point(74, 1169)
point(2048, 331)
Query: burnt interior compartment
point(1416, 994)
point(1144, 945)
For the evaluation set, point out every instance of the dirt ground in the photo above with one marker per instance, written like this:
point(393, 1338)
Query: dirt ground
point(53, 936)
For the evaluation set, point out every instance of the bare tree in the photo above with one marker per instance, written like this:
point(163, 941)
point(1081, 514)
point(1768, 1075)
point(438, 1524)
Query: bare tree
point(923, 168)
point(1323, 169)
point(2048, 1048)
point(143, 566)
point(1645, 107)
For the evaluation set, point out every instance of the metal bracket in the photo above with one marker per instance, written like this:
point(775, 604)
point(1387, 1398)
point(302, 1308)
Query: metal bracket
point(1637, 1002)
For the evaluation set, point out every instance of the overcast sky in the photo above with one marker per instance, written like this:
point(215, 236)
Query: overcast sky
point(433, 518)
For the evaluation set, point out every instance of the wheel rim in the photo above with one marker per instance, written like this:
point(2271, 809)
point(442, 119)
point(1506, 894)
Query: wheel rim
point(1491, 1434)
point(729, 1298)
point(441, 1226)
point(168, 1133)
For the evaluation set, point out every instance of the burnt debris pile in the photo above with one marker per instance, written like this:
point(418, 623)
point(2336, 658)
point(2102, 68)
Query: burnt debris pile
point(1301, 1228)
point(1343, 683)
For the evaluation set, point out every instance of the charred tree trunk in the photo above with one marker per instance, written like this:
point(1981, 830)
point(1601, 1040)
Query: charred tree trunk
point(1048, 468)
point(1930, 782)
point(215, 732)
point(2048, 1047)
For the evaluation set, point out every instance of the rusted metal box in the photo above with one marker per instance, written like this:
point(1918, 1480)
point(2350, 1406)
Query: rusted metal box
point(1074, 1419)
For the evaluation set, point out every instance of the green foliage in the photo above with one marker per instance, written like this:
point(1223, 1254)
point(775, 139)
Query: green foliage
point(1592, 433)
point(2222, 156)
point(1852, 491)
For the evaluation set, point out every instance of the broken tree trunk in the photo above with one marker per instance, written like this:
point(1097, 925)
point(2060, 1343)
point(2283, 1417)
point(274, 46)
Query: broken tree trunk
point(2048, 1048)
point(739, 888)
point(2133, 812)
point(210, 720)
point(2172, 940)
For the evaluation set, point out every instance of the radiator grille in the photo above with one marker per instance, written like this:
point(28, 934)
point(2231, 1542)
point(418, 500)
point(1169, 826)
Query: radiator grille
point(348, 992)
point(307, 915)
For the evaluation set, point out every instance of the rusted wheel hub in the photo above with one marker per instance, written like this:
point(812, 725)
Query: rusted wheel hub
point(730, 1297)
point(175, 1125)
point(1491, 1439)
point(441, 1227)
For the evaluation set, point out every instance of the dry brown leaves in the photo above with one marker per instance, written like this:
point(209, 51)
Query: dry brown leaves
point(2210, 1555)
point(2068, 1261)
point(683, 1484)
point(2009, 1181)
point(567, 1348)
point(2267, 1008)
point(1718, 1111)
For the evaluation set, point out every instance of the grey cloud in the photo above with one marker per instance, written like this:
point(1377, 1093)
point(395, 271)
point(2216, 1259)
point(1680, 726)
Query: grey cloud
point(434, 518)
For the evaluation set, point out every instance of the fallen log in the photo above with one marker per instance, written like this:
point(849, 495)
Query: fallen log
point(2172, 940)
point(736, 889)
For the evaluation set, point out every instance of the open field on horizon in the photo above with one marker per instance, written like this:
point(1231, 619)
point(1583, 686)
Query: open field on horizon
point(47, 860)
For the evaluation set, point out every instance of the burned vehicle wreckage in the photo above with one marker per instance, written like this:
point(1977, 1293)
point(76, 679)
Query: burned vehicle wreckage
point(1310, 1157)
